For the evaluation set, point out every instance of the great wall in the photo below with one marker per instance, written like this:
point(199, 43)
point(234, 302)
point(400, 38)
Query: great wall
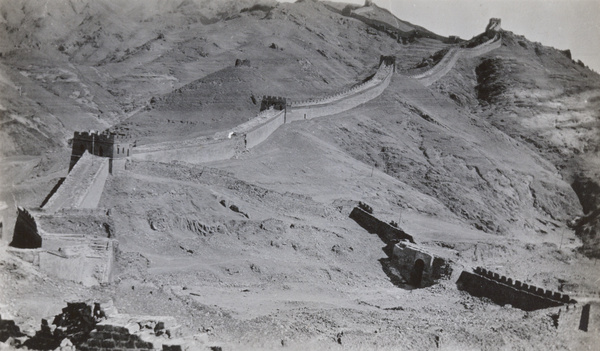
point(85, 250)
point(96, 155)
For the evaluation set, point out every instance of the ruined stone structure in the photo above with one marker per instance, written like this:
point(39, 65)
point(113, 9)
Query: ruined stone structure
point(93, 326)
point(113, 146)
point(8, 329)
point(493, 25)
point(69, 237)
point(390, 234)
point(76, 245)
point(503, 291)
point(419, 267)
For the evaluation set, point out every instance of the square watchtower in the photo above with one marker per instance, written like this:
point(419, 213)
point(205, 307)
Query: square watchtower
point(106, 144)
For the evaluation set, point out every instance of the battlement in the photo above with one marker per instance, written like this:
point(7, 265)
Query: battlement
point(504, 291)
point(552, 295)
point(277, 102)
point(105, 136)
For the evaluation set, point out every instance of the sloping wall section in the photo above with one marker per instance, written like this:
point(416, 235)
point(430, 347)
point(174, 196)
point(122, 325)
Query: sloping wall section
point(83, 186)
point(452, 56)
point(387, 232)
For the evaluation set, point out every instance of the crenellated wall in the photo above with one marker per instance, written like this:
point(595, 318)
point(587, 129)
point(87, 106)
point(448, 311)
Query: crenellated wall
point(503, 290)
point(199, 151)
point(106, 144)
point(342, 101)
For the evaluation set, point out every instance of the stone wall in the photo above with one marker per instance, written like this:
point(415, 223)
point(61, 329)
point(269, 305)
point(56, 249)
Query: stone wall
point(200, 151)
point(83, 186)
point(482, 49)
point(387, 232)
point(72, 245)
point(436, 72)
point(261, 133)
point(503, 291)
point(341, 102)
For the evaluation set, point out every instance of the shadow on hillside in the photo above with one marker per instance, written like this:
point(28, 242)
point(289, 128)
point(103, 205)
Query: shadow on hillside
point(391, 269)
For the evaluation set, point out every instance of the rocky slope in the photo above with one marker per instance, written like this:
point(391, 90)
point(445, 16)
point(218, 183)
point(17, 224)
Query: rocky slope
point(495, 164)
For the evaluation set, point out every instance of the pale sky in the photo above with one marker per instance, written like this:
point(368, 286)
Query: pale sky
point(563, 24)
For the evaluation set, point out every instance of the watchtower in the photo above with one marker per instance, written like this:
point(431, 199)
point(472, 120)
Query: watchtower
point(388, 61)
point(493, 25)
point(106, 144)
point(277, 102)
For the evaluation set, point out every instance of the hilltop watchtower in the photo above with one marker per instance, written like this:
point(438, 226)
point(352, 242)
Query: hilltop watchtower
point(388, 61)
point(277, 102)
point(106, 144)
point(493, 25)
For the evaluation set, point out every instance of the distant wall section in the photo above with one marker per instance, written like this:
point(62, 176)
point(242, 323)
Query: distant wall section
point(436, 72)
point(345, 100)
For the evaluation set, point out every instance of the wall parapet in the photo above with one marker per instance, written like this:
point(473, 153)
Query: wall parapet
point(503, 290)
point(522, 286)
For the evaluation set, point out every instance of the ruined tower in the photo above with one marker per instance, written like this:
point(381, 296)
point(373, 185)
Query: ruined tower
point(112, 145)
